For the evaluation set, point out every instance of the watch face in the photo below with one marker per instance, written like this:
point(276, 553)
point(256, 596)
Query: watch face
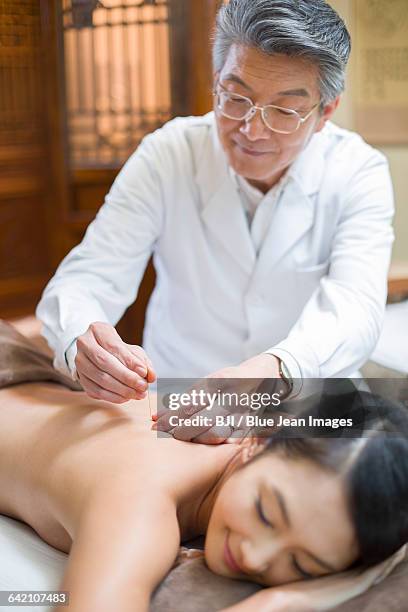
point(286, 377)
point(285, 372)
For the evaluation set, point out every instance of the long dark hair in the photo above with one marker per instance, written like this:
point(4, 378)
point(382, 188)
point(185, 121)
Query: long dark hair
point(372, 457)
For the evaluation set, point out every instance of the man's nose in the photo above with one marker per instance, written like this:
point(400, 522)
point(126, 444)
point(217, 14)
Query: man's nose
point(256, 557)
point(254, 127)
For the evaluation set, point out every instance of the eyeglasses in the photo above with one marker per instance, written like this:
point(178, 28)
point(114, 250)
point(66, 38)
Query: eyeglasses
point(276, 118)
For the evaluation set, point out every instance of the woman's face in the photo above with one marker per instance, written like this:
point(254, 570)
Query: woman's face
point(253, 150)
point(280, 520)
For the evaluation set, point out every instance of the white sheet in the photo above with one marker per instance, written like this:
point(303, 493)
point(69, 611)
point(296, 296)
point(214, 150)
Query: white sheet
point(27, 563)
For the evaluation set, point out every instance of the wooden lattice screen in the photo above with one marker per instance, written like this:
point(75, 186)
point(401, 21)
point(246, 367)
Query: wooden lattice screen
point(117, 76)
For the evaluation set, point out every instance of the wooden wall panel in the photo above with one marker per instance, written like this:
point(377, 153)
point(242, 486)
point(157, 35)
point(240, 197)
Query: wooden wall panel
point(22, 238)
point(24, 247)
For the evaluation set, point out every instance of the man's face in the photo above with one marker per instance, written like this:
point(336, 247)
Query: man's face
point(253, 150)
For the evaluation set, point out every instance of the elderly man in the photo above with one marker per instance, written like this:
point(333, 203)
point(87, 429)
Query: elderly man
point(270, 227)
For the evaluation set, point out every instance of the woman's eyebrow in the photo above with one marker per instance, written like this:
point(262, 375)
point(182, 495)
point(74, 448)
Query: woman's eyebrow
point(285, 515)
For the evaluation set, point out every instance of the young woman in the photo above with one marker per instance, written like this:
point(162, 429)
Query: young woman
point(94, 480)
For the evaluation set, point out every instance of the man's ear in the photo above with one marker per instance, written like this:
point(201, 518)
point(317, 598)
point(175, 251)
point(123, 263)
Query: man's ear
point(328, 111)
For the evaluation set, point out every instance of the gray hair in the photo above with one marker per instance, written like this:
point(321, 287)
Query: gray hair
point(309, 29)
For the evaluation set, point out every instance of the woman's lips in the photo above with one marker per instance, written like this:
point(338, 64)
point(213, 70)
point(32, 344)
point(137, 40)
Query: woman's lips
point(229, 559)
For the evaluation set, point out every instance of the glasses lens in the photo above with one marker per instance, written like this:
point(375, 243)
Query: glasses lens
point(281, 120)
point(233, 106)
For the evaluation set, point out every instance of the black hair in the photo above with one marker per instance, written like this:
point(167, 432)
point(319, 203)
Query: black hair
point(372, 457)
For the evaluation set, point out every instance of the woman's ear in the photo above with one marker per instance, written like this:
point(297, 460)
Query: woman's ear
point(327, 112)
point(251, 447)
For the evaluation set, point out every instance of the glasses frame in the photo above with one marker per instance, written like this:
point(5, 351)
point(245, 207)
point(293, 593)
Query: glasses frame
point(254, 108)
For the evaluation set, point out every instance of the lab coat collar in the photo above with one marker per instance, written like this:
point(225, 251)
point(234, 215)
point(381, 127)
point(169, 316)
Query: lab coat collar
point(223, 213)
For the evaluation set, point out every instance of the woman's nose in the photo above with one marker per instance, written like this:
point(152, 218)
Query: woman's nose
point(254, 127)
point(256, 558)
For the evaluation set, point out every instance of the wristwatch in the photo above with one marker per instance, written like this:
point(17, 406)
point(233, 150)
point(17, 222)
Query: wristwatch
point(286, 377)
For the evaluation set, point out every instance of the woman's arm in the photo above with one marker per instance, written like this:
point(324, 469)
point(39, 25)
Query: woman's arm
point(319, 594)
point(125, 544)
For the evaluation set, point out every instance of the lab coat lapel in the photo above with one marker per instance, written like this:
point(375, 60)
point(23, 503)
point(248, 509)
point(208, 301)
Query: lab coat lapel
point(221, 207)
point(224, 217)
point(295, 210)
point(292, 218)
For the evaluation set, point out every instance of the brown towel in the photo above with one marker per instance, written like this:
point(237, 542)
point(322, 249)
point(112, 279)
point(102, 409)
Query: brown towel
point(21, 361)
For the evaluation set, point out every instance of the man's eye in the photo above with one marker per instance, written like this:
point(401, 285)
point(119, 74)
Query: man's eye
point(261, 513)
point(284, 112)
point(239, 100)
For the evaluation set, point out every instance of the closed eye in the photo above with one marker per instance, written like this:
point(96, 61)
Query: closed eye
point(238, 99)
point(286, 113)
point(299, 570)
point(260, 512)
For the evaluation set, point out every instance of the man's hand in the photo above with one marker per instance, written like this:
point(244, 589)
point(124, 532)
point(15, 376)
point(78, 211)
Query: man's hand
point(250, 373)
point(108, 368)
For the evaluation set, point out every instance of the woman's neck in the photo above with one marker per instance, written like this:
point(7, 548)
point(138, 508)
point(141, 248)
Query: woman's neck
point(205, 505)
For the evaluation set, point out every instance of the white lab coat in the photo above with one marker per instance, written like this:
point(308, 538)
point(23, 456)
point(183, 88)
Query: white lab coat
point(314, 296)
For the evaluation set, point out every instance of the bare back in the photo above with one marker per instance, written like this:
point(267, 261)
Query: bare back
point(57, 447)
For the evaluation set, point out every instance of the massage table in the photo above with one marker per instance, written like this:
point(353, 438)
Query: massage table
point(26, 562)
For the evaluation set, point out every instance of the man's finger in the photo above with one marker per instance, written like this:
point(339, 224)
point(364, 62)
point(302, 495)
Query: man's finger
point(131, 359)
point(163, 416)
point(162, 423)
point(96, 392)
point(185, 433)
point(106, 381)
point(150, 372)
point(106, 362)
point(108, 338)
point(182, 411)
point(214, 435)
point(162, 420)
